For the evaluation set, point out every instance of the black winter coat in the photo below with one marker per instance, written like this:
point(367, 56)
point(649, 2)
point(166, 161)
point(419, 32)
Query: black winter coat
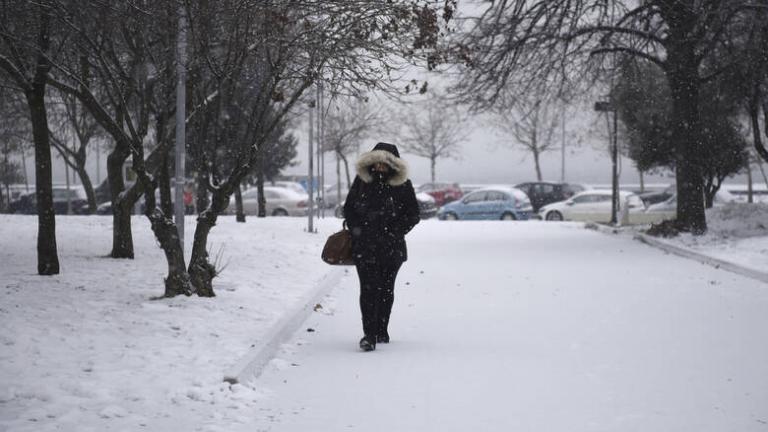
point(379, 216)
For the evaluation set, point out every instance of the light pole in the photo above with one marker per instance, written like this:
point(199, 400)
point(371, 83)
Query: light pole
point(310, 179)
point(605, 106)
point(181, 102)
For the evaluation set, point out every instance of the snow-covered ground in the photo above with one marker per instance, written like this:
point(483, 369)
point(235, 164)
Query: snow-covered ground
point(497, 326)
point(533, 327)
point(737, 232)
point(88, 350)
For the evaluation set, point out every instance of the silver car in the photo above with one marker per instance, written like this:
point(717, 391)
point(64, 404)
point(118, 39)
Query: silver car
point(280, 201)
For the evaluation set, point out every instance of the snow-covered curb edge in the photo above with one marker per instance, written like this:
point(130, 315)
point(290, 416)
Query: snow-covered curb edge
point(706, 259)
point(681, 251)
point(251, 366)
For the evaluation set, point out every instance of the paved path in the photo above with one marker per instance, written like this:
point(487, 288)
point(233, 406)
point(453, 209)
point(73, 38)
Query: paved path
point(532, 327)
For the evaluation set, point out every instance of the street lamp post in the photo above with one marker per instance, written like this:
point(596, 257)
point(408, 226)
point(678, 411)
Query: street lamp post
point(605, 106)
point(181, 103)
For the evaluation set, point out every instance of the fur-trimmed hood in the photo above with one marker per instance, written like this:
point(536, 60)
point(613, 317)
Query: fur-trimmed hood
point(384, 153)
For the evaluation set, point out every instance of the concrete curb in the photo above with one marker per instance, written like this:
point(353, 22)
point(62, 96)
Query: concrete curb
point(705, 259)
point(682, 251)
point(251, 366)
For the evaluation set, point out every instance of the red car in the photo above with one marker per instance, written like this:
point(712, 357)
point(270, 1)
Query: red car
point(443, 193)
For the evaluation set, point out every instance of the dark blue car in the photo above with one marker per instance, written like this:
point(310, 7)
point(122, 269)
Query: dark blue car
point(497, 203)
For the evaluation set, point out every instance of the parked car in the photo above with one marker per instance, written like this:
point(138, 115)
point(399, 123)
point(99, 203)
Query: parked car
point(654, 197)
point(427, 206)
point(104, 208)
point(443, 193)
point(668, 209)
point(591, 205)
point(294, 186)
point(332, 196)
point(280, 201)
point(489, 203)
point(63, 199)
point(543, 193)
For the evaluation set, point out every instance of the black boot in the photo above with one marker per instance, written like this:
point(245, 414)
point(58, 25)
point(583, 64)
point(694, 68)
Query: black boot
point(368, 343)
point(383, 337)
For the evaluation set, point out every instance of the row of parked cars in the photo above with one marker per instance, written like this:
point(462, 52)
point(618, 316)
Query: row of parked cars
point(448, 201)
point(566, 202)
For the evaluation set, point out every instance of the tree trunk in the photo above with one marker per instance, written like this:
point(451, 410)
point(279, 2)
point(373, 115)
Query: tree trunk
point(202, 191)
point(164, 184)
point(47, 256)
point(338, 179)
point(432, 163)
point(642, 181)
point(346, 169)
point(240, 213)
point(262, 208)
point(90, 193)
point(750, 181)
point(201, 271)
point(178, 281)
point(762, 172)
point(710, 189)
point(24, 168)
point(684, 83)
point(537, 163)
point(122, 237)
point(754, 116)
point(261, 197)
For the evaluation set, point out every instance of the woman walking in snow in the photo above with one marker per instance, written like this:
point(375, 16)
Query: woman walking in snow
point(381, 208)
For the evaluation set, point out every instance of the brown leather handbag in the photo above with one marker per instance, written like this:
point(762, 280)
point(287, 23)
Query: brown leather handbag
point(338, 248)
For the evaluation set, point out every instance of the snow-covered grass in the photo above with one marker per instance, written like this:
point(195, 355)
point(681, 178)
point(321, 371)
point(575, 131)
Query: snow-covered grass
point(737, 232)
point(89, 350)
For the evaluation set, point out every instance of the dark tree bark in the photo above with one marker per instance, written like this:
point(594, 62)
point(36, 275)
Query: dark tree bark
point(201, 271)
point(90, 193)
point(164, 184)
point(202, 201)
point(260, 170)
point(122, 236)
point(240, 213)
point(682, 69)
point(262, 199)
point(754, 117)
point(47, 256)
point(178, 281)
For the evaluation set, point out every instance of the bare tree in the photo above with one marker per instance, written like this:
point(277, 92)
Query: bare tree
point(531, 124)
point(27, 47)
point(433, 129)
point(14, 138)
point(353, 46)
point(70, 119)
point(518, 46)
point(347, 124)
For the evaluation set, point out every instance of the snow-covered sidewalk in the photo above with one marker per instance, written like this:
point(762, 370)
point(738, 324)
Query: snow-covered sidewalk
point(532, 327)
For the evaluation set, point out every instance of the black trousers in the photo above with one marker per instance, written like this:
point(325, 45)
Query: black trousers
point(377, 294)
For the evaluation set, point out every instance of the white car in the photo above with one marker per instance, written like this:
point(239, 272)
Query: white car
point(332, 195)
point(294, 186)
point(591, 206)
point(668, 209)
point(280, 201)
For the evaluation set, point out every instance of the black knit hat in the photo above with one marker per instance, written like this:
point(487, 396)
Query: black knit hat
point(387, 147)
